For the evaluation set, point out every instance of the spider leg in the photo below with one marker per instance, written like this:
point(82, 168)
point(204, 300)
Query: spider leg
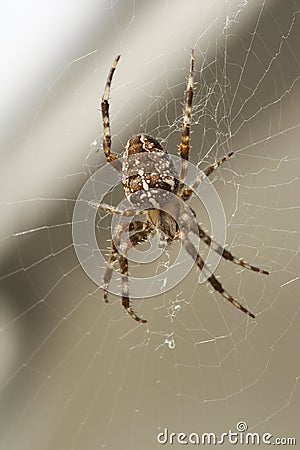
point(123, 263)
point(114, 256)
point(125, 289)
point(223, 252)
point(109, 269)
point(121, 212)
point(188, 191)
point(189, 247)
point(134, 240)
point(105, 114)
point(185, 133)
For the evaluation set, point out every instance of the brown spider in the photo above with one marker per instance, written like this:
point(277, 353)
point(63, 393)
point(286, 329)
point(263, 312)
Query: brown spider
point(152, 184)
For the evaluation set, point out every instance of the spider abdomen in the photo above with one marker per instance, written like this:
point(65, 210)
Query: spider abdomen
point(148, 172)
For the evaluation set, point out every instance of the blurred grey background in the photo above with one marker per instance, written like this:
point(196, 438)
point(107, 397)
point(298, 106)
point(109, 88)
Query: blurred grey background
point(76, 373)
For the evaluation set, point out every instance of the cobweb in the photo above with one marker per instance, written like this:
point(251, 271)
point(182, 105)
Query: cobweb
point(77, 373)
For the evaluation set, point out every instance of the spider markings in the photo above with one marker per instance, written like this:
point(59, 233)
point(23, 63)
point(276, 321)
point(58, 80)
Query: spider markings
point(148, 173)
point(152, 184)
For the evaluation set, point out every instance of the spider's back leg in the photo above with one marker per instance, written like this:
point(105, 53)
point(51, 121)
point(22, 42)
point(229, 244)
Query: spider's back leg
point(189, 247)
point(226, 254)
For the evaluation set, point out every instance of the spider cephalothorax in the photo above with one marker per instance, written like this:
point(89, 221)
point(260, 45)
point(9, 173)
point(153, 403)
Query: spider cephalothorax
point(157, 191)
point(149, 176)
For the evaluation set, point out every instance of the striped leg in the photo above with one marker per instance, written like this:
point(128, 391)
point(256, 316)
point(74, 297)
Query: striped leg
point(114, 257)
point(187, 192)
point(120, 212)
point(225, 253)
point(142, 235)
point(185, 133)
point(135, 239)
point(105, 114)
point(125, 289)
point(189, 247)
point(109, 270)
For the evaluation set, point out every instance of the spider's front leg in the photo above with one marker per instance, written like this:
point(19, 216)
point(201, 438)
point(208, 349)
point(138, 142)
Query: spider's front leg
point(188, 191)
point(105, 117)
point(185, 133)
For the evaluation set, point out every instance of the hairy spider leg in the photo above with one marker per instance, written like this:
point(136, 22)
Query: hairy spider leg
point(120, 212)
point(188, 191)
point(185, 133)
point(134, 240)
point(225, 253)
point(109, 270)
point(113, 257)
point(116, 256)
point(105, 114)
point(191, 250)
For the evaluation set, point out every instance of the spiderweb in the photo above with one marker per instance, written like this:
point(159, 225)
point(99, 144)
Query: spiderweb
point(76, 373)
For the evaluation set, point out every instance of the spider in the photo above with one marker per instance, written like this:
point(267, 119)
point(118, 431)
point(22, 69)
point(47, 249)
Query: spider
point(148, 175)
